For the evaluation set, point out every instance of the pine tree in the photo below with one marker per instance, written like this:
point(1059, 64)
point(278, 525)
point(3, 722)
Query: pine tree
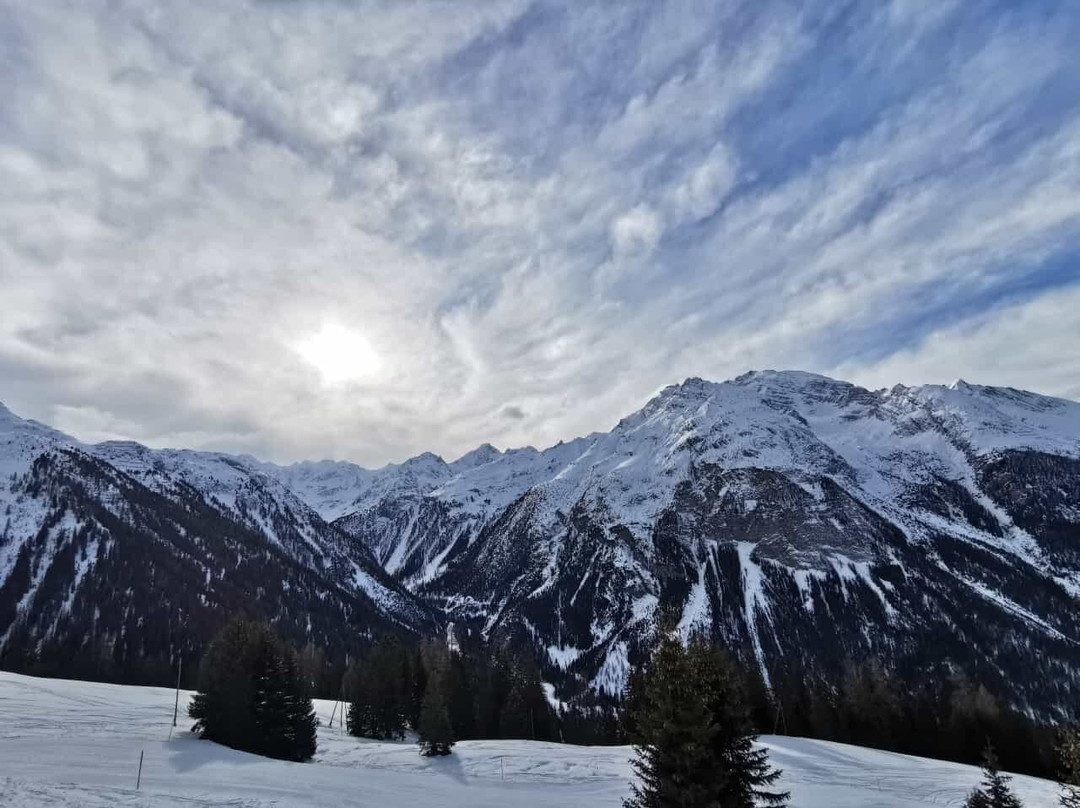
point(379, 698)
point(749, 777)
point(361, 716)
point(1069, 757)
point(670, 726)
point(302, 722)
point(270, 702)
point(995, 791)
point(435, 733)
point(251, 695)
point(415, 683)
point(689, 721)
point(525, 712)
point(460, 697)
point(222, 707)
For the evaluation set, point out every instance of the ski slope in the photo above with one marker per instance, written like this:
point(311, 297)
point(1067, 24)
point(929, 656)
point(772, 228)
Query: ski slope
point(66, 743)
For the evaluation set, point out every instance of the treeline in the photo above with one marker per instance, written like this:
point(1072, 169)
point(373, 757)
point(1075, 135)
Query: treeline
point(490, 691)
point(484, 692)
point(942, 714)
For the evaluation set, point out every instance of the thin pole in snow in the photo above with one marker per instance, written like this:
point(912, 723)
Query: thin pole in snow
point(341, 698)
point(779, 717)
point(176, 706)
point(138, 780)
point(502, 768)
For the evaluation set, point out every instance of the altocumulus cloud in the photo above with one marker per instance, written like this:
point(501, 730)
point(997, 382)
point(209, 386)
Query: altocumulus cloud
point(530, 215)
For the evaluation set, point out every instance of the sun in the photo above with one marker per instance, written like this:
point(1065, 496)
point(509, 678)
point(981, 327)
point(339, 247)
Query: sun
point(340, 354)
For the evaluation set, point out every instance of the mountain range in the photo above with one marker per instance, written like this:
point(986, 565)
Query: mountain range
point(799, 520)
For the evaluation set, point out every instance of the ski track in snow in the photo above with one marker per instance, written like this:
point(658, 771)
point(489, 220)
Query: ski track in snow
point(66, 743)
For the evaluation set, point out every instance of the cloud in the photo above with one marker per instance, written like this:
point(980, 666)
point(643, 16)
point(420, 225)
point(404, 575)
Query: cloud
point(705, 185)
point(1028, 345)
point(636, 232)
point(512, 411)
point(560, 207)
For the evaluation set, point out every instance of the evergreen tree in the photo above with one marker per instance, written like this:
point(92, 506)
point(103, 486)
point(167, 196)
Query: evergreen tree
point(436, 736)
point(270, 702)
point(749, 777)
point(525, 712)
point(222, 707)
point(670, 727)
point(995, 791)
point(379, 701)
point(302, 722)
point(492, 689)
point(869, 704)
point(688, 718)
point(414, 683)
point(460, 696)
point(1069, 757)
point(360, 718)
point(252, 696)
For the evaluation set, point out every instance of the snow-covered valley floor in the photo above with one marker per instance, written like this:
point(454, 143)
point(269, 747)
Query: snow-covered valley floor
point(66, 743)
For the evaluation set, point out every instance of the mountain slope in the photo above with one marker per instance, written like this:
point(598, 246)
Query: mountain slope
point(115, 559)
point(799, 519)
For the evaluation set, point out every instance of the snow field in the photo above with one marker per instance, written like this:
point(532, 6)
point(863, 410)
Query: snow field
point(67, 743)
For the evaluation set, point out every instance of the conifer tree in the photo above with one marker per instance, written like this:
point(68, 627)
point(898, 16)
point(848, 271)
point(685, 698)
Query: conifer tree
point(1069, 757)
point(414, 683)
point(270, 701)
point(361, 718)
point(995, 791)
point(379, 699)
point(749, 777)
point(436, 736)
point(670, 728)
point(460, 697)
point(252, 697)
point(302, 726)
point(689, 721)
point(226, 692)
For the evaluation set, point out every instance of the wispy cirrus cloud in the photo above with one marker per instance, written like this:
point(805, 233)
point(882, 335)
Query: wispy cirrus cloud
point(533, 215)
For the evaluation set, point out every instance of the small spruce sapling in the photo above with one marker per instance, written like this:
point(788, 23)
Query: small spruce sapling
point(994, 791)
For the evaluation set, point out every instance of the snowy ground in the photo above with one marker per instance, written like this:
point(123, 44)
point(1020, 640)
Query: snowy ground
point(65, 743)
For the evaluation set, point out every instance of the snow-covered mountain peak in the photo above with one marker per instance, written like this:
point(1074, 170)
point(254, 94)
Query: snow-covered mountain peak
point(11, 423)
point(425, 460)
point(784, 378)
point(484, 453)
point(23, 439)
point(987, 419)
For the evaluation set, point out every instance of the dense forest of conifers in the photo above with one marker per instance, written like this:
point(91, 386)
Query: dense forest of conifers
point(689, 713)
point(489, 693)
point(494, 692)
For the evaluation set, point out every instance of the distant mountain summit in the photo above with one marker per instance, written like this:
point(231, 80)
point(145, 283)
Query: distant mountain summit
point(798, 519)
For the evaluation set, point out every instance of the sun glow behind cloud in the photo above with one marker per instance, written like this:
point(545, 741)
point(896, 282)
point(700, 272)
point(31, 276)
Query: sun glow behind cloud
point(512, 223)
point(340, 355)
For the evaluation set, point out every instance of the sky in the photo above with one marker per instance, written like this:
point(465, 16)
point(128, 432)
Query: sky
point(361, 230)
